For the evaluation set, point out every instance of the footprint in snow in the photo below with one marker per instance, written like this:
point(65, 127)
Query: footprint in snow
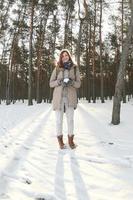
point(26, 148)
point(110, 143)
point(27, 181)
point(46, 198)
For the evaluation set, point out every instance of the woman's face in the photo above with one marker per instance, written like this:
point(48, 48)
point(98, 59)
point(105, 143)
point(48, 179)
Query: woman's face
point(65, 57)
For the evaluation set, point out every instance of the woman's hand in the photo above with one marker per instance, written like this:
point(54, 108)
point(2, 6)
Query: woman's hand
point(65, 82)
point(70, 82)
point(60, 81)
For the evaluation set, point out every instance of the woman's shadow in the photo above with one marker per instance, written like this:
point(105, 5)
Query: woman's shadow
point(79, 184)
point(59, 186)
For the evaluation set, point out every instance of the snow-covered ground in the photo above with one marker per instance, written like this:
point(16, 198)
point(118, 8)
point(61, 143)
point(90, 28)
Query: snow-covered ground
point(32, 166)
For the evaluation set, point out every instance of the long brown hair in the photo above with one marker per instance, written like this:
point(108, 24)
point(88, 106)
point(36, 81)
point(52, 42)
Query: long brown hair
point(60, 63)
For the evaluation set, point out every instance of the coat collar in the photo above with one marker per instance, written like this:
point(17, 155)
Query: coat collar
point(62, 69)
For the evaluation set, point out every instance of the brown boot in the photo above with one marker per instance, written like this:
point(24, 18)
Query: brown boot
point(70, 142)
point(60, 141)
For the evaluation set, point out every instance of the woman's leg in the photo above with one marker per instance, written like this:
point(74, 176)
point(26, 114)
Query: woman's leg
point(70, 120)
point(59, 126)
point(59, 122)
point(70, 124)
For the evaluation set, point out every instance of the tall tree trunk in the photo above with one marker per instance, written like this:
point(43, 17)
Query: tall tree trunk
point(39, 57)
point(38, 64)
point(9, 71)
point(80, 31)
point(30, 56)
point(93, 59)
point(54, 36)
point(89, 59)
point(87, 50)
point(66, 30)
point(79, 42)
point(101, 63)
point(121, 73)
point(53, 59)
point(122, 24)
point(3, 51)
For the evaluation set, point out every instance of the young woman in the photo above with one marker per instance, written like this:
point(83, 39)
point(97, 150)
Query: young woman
point(65, 79)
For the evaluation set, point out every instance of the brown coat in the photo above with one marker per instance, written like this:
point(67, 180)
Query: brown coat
point(57, 93)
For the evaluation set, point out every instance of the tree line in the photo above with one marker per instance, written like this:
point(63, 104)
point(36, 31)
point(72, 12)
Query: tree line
point(32, 32)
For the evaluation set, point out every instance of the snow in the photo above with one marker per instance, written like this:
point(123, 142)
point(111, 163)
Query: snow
point(33, 167)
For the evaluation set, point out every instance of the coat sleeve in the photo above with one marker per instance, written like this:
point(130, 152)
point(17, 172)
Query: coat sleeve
point(77, 82)
point(53, 79)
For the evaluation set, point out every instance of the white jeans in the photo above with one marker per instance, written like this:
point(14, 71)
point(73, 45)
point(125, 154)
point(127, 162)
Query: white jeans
point(69, 115)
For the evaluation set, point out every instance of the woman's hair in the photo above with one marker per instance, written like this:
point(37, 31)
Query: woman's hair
point(60, 63)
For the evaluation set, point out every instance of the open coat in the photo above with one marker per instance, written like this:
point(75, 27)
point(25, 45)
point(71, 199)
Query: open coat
point(58, 74)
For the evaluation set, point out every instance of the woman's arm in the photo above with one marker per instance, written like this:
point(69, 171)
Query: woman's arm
point(77, 82)
point(53, 79)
